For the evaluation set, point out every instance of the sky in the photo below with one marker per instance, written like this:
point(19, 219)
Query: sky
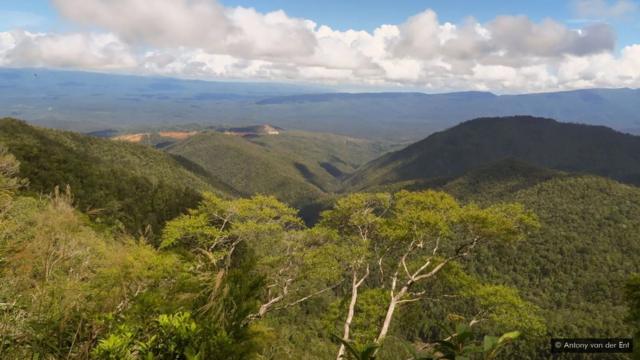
point(431, 46)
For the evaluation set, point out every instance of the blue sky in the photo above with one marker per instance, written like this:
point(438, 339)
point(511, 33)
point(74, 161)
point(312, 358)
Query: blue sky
point(438, 45)
point(41, 15)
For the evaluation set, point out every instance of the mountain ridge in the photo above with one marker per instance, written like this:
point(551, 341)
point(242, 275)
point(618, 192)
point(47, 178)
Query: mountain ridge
point(90, 102)
point(539, 141)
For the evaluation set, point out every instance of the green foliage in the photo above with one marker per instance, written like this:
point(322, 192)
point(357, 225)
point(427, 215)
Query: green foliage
point(461, 345)
point(216, 227)
point(472, 144)
point(174, 337)
point(247, 167)
point(61, 281)
point(296, 167)
point(270, 228)
point(632, 294)
point(366, 352)
point(587, 224)
point(116, 346)
point(169, 336)
point(117, 183)
point(244, 278)
point(408, 238)
point(369, 314)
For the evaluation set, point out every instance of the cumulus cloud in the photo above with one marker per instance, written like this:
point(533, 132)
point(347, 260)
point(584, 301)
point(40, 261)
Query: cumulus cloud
point(203, 39)
point(519, 36)
point(422, 36)
point(197, 24)
point(89, 51)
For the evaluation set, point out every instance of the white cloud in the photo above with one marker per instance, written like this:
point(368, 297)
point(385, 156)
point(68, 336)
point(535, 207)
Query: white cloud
point(89, 51)
point(519, 36)
point(201, 24)
point(202, 39)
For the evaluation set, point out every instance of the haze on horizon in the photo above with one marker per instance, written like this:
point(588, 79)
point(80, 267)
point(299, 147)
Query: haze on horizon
point(404, 45)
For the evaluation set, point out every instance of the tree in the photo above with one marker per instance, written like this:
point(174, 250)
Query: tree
point(62, 283)
point(356, 218)
point(213, 232)
point(411, 237)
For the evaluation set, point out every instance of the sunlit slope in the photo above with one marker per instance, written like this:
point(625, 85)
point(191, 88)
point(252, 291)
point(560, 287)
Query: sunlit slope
point(120, 182)
point(295, 166)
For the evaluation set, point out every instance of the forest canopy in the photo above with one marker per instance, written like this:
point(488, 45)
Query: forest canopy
point(236, 278)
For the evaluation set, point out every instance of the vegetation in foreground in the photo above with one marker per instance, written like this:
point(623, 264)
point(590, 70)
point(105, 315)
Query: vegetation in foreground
point(245, 278)
point(229, 276)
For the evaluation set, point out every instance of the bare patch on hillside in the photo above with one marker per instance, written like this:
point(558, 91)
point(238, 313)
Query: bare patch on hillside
point(177, 135)
point(134, 138)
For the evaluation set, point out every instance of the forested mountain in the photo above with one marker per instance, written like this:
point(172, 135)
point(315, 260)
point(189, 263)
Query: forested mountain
point(538, 141)
point(575, 266)
point(115, 182)
point(295, 166)
point(243, 278)
point(485, 254)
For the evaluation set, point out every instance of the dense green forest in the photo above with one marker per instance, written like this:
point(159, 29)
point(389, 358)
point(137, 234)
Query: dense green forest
point(295, 166)
point(116, 183)
point(487, 265)
point(219, 282)
point(543, 142)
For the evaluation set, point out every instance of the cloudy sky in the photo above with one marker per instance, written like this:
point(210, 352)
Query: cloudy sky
point(501, 46)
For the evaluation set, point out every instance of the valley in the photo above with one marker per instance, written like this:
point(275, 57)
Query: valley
point(578, 181)
point(305, 180)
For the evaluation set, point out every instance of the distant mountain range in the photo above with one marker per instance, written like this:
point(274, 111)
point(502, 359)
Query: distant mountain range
point(98, 102)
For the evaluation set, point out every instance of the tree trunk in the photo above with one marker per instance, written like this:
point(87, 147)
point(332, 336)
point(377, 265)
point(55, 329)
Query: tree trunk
point(350, 313)
point(389, 316)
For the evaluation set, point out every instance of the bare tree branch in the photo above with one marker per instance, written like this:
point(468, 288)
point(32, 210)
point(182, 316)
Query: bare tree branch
point(305, 298)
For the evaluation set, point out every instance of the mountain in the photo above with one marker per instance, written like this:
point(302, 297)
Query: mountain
point(296, 166)
point(68, 276)
point(538, 141)
point(88, 102)
point(586, 244)
point(91, 102)
point(407, 115)
point(116, 182)
point(573, 267)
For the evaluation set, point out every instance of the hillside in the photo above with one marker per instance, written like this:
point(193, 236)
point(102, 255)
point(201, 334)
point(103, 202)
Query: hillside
point(541, 142)
point(565, 279)
point(116, 182)
point(295, 166)
point(575, 266)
